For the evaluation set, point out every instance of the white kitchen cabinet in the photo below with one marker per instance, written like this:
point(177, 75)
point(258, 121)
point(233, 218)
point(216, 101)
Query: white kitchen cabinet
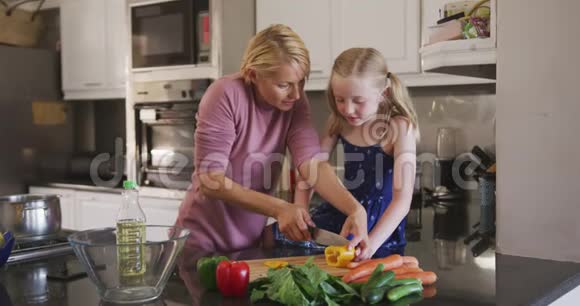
point(160, 211)
point(67, 204)
point(118, 44)
point(94, 49)
point(311, 20)
point(332, 26)
point(83, 210)
point(392, 27)
point(96, 209)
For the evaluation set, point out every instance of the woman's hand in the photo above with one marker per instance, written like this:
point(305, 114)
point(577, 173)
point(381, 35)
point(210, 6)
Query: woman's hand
point(356, 225)
point(293, 221)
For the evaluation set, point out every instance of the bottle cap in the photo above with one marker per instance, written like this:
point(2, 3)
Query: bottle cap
point(129, 185)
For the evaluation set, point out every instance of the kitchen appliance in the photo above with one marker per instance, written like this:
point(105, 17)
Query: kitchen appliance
point(414, 220)
point(446, 143)
point(170, 33)
point(165, 142)
point(37, 249)
point(169, 91)
point(30, 217)
point(485, 228)
point(445, 164)
point(443, 177)
point(98, 252)
point(31, 250)
point(165, 127)
point(450, 223)
point(35, 221)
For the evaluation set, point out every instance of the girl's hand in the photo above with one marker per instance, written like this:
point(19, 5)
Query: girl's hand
point(356, 225)
point(368, 252)
point(293, 222)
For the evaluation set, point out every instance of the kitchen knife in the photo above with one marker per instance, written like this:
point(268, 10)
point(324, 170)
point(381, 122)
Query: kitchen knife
point(324, 237)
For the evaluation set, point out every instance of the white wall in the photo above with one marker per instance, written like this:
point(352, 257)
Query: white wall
point(538, 141)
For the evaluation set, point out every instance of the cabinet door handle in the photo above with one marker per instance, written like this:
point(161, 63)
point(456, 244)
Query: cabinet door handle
point(87, 198)
point(316, 70)
point(93, 84)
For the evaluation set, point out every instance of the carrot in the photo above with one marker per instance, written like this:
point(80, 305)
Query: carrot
point(405, 270)
point(361, 280)
point(365, 269)
point(426, 277)
point(429, 291)
point(407, 260)
point(354, 264)
point(411, 265)
point(410, 260)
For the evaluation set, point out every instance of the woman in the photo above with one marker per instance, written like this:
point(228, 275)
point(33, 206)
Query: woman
point(244, 123)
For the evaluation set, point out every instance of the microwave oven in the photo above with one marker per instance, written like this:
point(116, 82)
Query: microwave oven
point(170, 33)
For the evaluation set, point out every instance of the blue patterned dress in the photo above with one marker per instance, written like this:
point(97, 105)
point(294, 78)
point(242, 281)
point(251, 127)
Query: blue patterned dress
point(368, 175)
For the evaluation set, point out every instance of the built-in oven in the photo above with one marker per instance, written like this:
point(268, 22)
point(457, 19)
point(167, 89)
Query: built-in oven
point(170, 32)
point(165, 127)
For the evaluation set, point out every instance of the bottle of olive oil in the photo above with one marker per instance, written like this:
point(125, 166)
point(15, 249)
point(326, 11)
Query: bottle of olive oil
point(131, 236)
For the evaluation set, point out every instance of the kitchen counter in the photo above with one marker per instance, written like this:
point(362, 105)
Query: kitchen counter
point(438, 244)
point(145, 191)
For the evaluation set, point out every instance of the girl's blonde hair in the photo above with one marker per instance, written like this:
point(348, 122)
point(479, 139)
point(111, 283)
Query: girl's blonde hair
point(278, 44)
point(369, 62)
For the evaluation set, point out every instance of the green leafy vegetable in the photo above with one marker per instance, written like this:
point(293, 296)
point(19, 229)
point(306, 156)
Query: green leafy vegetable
point(302, 285)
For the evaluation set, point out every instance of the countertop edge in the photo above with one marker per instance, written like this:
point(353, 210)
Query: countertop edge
point(560, 290)
point(153, 192)
point(80, 187)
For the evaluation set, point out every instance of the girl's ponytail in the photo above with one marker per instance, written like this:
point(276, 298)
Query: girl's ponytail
point(400, 102)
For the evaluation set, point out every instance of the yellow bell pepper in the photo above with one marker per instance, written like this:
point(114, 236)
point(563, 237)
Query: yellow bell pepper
point(276, 264)
point(338, 255)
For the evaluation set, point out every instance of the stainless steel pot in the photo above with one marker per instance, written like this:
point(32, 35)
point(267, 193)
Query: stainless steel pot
point(30, 216)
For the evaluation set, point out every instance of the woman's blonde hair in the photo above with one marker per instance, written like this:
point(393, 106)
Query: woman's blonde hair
point(278, 44)
point(369, 62)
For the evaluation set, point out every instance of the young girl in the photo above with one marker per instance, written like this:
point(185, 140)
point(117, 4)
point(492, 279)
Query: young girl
point(373, 117)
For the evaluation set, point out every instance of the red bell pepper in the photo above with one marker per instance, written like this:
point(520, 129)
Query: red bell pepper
point(233, 278)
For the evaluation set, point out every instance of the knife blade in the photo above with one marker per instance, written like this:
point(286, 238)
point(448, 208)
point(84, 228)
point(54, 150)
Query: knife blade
point(324, 237)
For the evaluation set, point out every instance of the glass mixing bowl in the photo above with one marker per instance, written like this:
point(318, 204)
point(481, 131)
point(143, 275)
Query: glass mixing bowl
point(129, 273)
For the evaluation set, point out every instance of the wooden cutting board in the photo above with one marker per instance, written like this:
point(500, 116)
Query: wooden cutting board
point(259, 269)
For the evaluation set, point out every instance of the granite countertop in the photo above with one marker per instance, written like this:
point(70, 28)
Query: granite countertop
point(437, 243)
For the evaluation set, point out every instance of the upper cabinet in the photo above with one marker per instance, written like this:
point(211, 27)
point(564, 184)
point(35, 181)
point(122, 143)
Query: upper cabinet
point(329, 27)
point(474, 57)
point(312, 20)
point(391, 27)
point(94, 49)
point(332, 26)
